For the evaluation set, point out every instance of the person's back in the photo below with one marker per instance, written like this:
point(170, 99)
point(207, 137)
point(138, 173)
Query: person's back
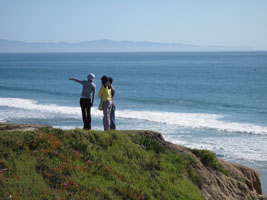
point(88, 88)
point(105, 93)
point(87, 99)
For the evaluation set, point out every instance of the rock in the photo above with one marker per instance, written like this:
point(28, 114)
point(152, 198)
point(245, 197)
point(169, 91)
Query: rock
point(21, 127)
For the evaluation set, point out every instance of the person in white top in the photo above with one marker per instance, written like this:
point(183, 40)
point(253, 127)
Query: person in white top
point(87, 99)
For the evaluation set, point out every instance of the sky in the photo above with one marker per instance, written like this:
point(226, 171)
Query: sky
point(205, 22)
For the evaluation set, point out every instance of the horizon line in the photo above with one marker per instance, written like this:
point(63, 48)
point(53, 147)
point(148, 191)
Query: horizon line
point(77, 52)
point(134, 41)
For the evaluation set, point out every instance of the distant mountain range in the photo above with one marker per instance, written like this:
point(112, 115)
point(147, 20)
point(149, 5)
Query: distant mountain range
point(10, 46)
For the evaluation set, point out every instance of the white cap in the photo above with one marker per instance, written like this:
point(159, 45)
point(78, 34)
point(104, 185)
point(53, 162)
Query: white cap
point(91, 77)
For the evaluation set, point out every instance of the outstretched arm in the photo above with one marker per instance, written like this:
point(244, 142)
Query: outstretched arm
point(76, 80)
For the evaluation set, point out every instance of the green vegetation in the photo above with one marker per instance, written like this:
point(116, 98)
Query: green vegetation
point(209, 160)
point(78, 164)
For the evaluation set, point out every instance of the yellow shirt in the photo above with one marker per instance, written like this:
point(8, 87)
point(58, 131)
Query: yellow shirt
point(105, 93)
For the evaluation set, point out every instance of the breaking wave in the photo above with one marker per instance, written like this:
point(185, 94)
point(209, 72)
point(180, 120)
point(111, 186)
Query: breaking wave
point(183, 120)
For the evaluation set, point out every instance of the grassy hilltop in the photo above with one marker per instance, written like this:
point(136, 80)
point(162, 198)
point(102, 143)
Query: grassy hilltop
point(54, 164)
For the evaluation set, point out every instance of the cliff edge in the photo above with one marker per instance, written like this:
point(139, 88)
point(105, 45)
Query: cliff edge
point(39, 162)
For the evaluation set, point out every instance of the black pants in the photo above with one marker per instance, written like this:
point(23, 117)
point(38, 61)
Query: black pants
point(86, 112)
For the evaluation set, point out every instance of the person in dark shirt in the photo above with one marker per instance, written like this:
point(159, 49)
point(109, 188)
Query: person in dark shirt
point(113, 108)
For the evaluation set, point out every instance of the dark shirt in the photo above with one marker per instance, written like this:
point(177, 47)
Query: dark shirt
point(112, 91)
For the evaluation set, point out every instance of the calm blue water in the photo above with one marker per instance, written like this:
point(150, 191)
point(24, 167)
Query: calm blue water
point(215, 101)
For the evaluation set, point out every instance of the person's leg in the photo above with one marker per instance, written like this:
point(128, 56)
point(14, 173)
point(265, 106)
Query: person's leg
point(112, 118)
point(88, 113)
point(82, 104)
point(106, 112)
point(105, 115)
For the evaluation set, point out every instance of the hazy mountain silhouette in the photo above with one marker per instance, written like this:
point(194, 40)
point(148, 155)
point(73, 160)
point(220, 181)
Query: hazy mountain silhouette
point(106, 46)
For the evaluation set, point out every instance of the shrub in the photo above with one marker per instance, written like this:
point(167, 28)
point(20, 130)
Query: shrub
point(209, 160)
point(150, 144)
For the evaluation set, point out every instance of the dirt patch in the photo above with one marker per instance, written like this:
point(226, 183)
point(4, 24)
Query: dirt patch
point(21, 127)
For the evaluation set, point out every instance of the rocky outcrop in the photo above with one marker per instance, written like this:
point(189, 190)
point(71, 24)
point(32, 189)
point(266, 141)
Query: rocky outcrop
point(241, 182)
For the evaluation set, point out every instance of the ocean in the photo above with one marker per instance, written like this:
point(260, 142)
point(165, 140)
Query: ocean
point(204, 100)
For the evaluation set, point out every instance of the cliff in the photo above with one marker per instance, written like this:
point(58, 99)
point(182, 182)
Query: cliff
point(39, 162)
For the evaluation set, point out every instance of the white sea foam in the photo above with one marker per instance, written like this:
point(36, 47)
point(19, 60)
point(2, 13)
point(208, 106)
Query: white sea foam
point(194, 120)
point(29, 104)
point(232, 148)
point(183, 120)
point(74, 127)
point(67, 127)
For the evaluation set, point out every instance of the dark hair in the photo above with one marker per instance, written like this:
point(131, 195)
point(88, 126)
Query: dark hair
point(104, 80)
point(110, 79)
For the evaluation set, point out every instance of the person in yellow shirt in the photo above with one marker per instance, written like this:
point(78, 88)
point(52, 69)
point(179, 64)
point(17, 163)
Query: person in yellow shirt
point(106, 97)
